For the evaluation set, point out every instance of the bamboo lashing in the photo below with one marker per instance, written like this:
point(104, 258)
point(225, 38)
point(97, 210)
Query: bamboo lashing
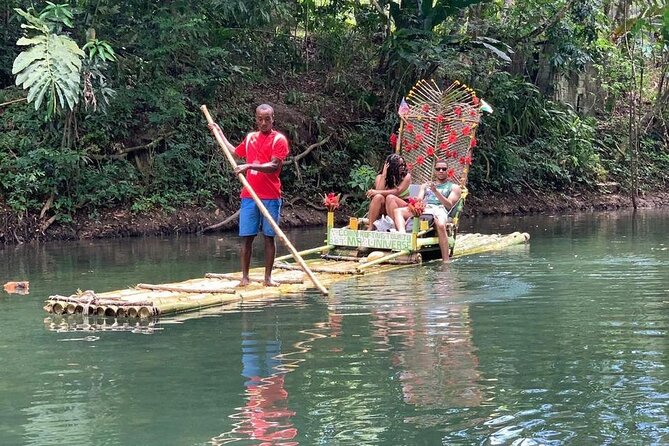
point(260, 205)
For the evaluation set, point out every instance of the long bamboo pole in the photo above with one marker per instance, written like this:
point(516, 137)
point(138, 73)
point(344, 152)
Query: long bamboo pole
point(261, 206)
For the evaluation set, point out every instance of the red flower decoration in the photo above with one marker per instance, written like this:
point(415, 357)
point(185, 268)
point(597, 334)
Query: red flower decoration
point(419, 138)
point(331, 201)
point(393, 140)
point(458, 111)
point(416, 206)
point(472, 113)
point(425, 108)
point(440, 118)
point(462, 160)
point(409, 166)
point(475, 100)
point(444, 146)
point(451, 173)
point(468, 160)
point(447, 128)
point(420, 159)
point(466, 131)
point(452, 137)
point(408, 148)
point(472, 143)
point(427, 128)
point(410, 127)
point(430, 151)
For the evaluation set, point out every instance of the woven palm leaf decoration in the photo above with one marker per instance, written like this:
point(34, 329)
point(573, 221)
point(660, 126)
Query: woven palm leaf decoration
point(439, 125)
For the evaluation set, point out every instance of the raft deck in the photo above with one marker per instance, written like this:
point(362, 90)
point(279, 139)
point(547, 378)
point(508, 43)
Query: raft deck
point(152, 300)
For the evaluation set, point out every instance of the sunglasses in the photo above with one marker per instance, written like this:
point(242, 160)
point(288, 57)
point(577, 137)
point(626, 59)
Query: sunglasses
point(441, 169)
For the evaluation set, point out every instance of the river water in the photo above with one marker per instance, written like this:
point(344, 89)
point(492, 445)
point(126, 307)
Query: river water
point(561, 342)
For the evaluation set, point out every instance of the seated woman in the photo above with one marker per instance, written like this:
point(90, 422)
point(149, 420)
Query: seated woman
point(391, 184)
point(440, 196)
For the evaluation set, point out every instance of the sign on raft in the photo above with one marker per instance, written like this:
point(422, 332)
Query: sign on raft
point(393, 241)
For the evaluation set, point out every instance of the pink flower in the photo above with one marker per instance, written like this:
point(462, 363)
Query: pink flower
point(331, 201)
point(393, 140)
point(416, 206)
point(425, 108)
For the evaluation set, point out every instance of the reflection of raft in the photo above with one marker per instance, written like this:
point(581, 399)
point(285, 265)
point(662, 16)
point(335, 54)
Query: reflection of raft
point(146, 301)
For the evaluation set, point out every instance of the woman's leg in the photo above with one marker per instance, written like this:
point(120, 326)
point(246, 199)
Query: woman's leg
point(400, 218)
point(393, 202)
point(376, 207)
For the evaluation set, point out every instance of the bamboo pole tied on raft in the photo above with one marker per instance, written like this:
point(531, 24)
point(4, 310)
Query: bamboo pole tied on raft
point(260, 205)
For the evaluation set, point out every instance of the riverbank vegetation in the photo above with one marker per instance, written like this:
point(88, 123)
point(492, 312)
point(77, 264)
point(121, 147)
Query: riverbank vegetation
point(99, 100)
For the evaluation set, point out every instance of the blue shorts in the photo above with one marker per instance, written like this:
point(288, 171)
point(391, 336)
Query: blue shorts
point(251, 220)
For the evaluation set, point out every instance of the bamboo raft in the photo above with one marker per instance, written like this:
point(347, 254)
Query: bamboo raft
point(146, 301)
point(436, 125)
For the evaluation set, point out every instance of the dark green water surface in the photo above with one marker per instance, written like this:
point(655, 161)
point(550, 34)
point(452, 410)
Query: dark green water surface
point(562, 342)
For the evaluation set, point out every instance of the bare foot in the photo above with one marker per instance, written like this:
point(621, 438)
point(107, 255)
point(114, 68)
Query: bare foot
point(270, 282)
point(244, 281)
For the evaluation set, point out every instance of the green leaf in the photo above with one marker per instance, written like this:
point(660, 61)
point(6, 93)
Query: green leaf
point(499, 53)
point(28, 57)
point(25, 41)
point(50, 68)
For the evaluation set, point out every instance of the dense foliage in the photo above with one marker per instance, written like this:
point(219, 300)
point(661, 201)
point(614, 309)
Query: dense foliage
point(115, 87)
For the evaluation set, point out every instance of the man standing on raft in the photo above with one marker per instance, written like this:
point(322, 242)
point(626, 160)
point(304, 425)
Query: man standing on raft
point(264, 152)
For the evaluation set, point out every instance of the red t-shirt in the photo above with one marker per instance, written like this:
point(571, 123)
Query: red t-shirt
point(258, 148)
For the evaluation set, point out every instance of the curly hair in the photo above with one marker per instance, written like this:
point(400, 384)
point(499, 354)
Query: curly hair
point(397, 170)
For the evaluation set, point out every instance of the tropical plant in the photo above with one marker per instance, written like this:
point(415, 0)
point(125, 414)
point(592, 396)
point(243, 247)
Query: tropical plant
point(50, 67)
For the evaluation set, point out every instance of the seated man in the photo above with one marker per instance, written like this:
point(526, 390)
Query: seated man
point(440, 197)
point(391, 185)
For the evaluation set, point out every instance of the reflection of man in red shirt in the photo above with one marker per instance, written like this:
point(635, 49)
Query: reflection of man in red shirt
point(267, 417)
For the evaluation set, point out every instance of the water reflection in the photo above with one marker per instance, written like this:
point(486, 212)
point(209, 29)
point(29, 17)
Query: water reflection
point(561, 343)
point(266, 416)
point(86, 323)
